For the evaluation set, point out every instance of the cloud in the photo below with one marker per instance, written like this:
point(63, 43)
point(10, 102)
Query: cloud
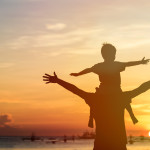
point(54, 40)
point(135, 27)
point(23, 0)
point(13, 131)
point(6, 65)
point(140, 106)
point(8, 129)
point(56, 27)
point(5, 119)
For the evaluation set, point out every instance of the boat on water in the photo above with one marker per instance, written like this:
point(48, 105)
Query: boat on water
point(32, 138)
point(87, 135)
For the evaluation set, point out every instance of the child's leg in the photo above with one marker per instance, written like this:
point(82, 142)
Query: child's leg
point(90, 124)
point(129, 109)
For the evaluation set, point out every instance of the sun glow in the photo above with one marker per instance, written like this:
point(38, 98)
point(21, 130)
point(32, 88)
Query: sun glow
point(149, 133)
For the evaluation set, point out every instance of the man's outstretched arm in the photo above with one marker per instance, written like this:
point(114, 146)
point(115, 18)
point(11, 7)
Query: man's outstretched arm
point(141, 89)
point(70, 87)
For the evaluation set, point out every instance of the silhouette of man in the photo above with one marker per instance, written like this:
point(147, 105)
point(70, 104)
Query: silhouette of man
point(108, 114)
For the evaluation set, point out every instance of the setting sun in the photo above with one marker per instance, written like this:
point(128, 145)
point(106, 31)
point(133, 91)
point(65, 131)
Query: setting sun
point(149, 133)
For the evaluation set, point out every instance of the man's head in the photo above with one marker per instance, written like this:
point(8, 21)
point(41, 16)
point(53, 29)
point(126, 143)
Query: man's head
point(108, 52)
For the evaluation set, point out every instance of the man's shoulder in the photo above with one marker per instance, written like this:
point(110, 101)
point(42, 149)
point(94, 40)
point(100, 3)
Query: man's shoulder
point(127, 94)
point(90, 98)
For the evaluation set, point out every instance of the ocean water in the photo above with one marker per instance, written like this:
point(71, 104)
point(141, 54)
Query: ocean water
point(16, 143)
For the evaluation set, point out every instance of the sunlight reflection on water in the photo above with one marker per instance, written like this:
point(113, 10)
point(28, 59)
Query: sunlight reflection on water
point(70, 145)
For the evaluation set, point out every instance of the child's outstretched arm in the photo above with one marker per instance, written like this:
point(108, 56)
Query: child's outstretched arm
point(134, 63)
point(85, 71)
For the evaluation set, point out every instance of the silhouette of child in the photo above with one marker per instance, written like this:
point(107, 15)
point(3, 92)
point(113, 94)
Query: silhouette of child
point(109, 75)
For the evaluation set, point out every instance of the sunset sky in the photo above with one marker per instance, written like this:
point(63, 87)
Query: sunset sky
point(42, 36)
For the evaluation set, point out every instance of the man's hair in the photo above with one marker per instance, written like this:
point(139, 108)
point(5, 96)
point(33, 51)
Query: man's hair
point(107, 49)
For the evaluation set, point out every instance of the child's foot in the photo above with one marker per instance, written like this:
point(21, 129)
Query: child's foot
point(135, 120)
point(90, 124)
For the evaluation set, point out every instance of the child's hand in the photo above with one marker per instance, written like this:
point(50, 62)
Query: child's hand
point(144, 61)
point(74, 74)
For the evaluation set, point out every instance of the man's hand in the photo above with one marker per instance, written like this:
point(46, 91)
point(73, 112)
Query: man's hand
point(144, 61)
point(50, 79)
point(74, 74)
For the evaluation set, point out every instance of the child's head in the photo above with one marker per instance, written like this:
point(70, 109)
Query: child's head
point(108, 52)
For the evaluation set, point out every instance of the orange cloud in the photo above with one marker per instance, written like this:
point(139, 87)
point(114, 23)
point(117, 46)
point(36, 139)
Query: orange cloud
point(5, 119)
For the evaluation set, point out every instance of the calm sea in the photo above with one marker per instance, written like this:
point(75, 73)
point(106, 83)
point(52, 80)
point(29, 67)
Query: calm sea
point(16, 143)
